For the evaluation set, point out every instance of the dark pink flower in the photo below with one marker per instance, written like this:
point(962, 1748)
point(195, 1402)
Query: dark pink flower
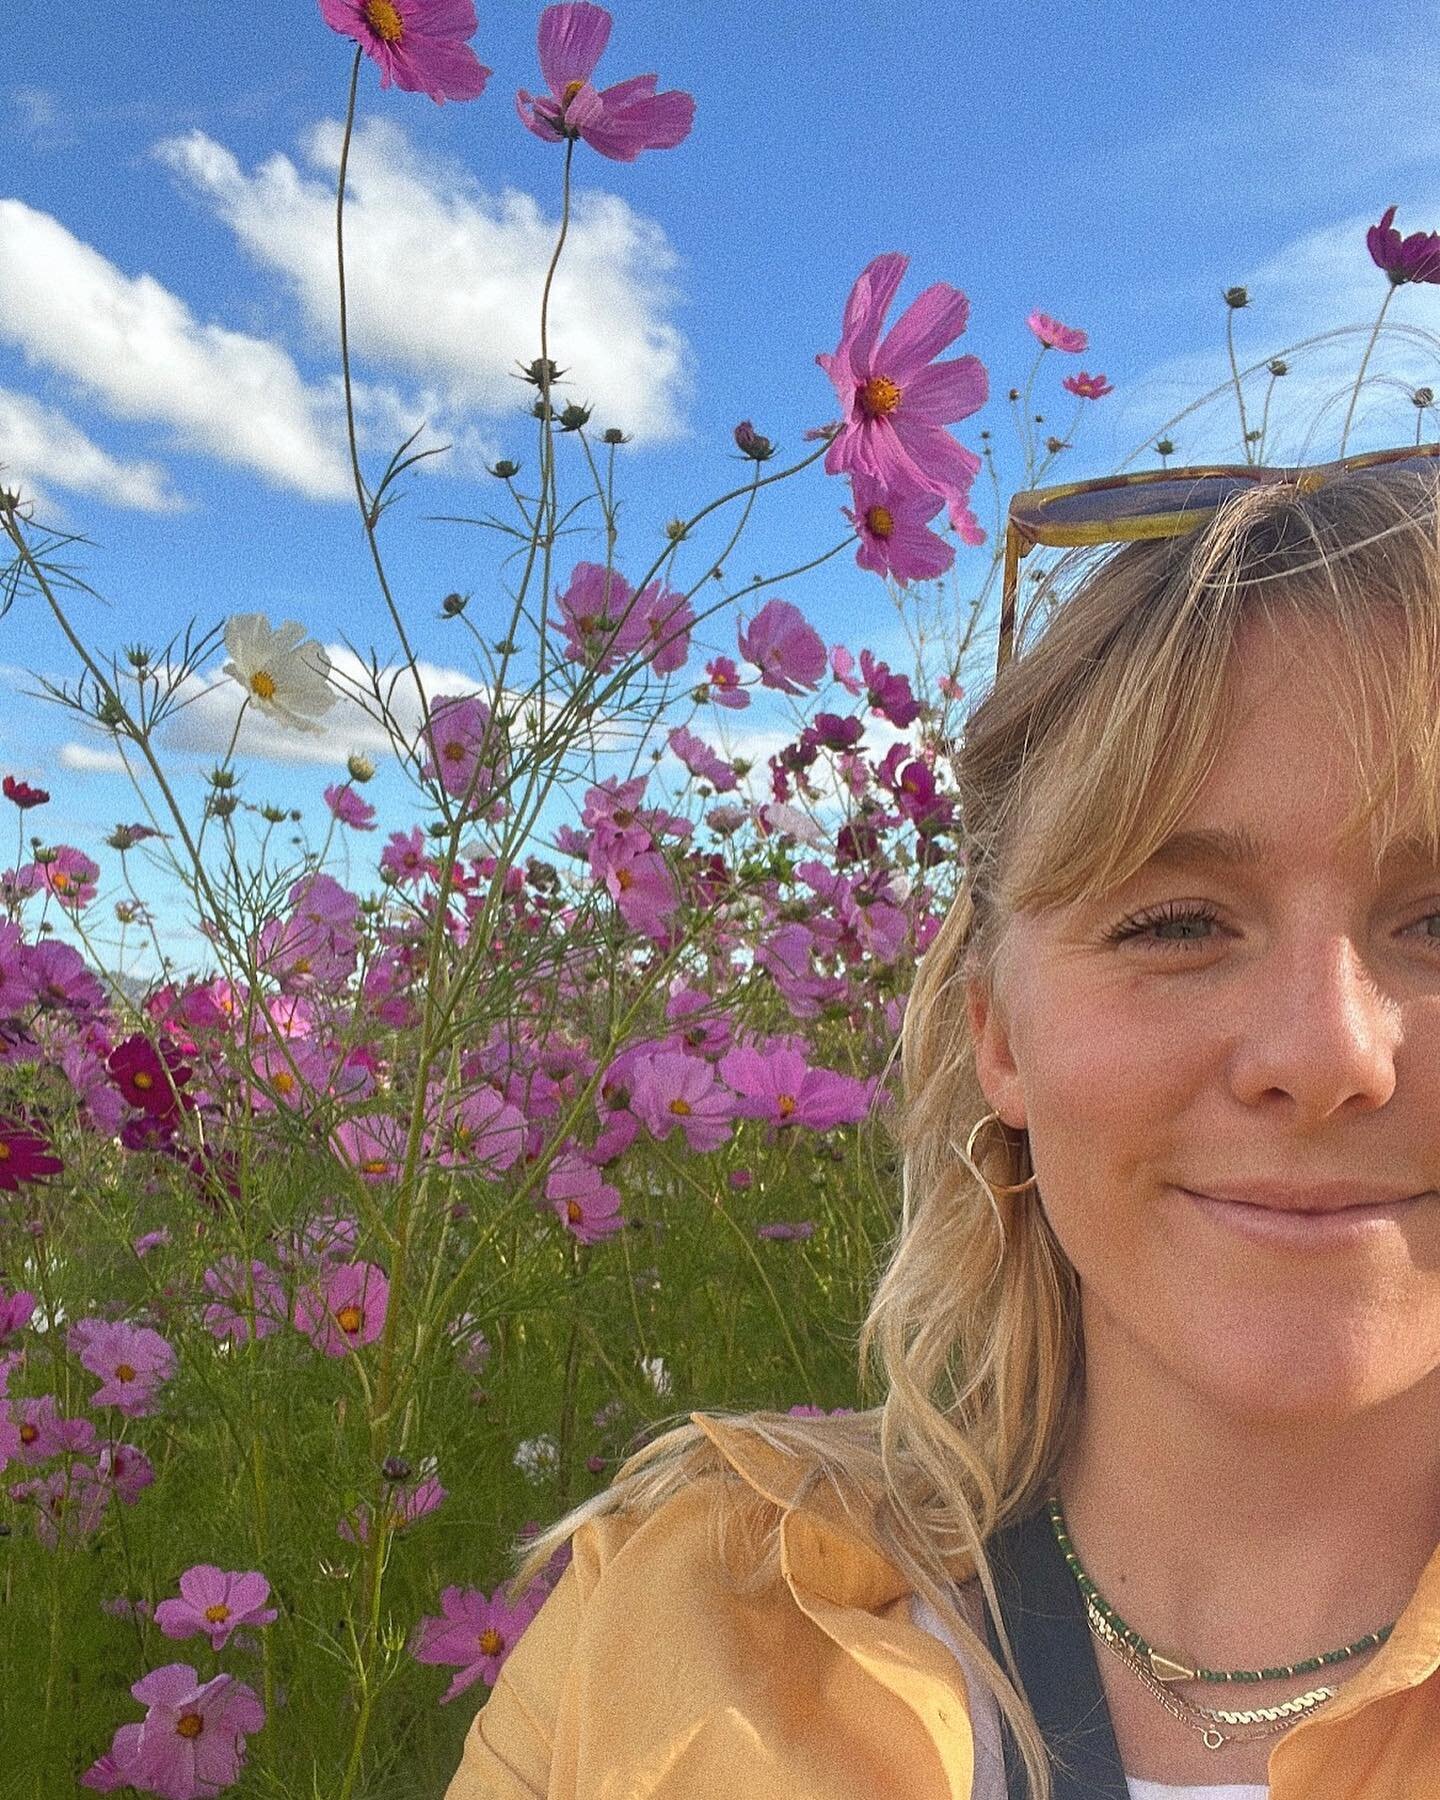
point(786, 649)
point(349, 1313)
point(1087, 387)
point(148, 1077)
point(585, 1204)
point(348, 808)
point(722, 684)
point(672, 1089)
point(45, 1432)
point(779, 1085)
point(216, 1602)
point(618, 121)
point(892, 529)
point(404, 858)
point(475, 1633)
point(66, 873)
point(21, 794)
point(420, 45)
point(25, 1156)
point(70, 1505)
point(895, 399)
point(403, 1507)
point(128, 1470)
point(702, 761)
point(1056, 336)
point(1415, 258)
point(16, 1311)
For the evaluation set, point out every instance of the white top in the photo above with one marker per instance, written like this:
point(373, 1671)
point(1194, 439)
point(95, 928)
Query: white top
point(989, 1783)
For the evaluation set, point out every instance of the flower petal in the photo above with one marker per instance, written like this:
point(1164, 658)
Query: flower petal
point(932, 321)
point(572, 40)
point(943, 393)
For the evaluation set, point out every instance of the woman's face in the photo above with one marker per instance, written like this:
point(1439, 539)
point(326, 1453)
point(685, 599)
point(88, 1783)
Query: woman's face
point(1291, 1035)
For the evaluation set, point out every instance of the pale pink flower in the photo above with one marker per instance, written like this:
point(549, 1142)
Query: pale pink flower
point(1056, 336)
point(348, 1313)
point(216, 1602)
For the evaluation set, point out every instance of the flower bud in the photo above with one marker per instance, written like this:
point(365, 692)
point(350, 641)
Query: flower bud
point(359, 768)
point(613, 435)
point(1423, 396)
point(1052, 444)
point(1277, 366)
point(395, 1468)
point(272, 815)
point(138, 657)
point(1165, 447)
point(1236, 297)
point(505, 470)
point(574, 416)
point(453, 605)
point(677, 531)
point(221, 806)
point(221, 778)
point(110, 710)
point(539, 371)
point(749, 443)
point(1014, 394)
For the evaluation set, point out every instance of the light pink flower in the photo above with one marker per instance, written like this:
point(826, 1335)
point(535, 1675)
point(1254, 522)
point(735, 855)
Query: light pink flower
point(403, 1507)
point(1056, 336)
point(348, 808)
point(132, 1359)
point(229, 1315)
point(584, 1203)
point(475, 1632)
point(779, 1085)
point(216, 1602)
point(671, 1089)
point(892, 528)
point(618, 121)
point(348, 1313)
point(787, 650)
point(191, 1742)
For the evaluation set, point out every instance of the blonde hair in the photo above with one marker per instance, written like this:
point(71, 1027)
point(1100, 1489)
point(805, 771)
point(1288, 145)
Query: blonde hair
point(1072, 770)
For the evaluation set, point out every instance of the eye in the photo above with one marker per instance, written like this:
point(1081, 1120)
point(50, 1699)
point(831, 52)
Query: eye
point(1179, 912)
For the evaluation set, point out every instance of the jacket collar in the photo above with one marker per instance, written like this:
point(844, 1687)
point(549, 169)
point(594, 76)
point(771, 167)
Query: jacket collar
point(827, 1550)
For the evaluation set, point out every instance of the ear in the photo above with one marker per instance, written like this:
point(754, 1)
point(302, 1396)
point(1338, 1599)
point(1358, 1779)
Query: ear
point(995, 1069)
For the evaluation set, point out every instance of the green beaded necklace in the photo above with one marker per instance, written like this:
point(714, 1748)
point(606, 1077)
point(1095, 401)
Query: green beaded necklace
point(1165, 1668)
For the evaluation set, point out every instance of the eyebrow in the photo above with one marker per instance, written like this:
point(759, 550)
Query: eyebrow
point(1239, 847)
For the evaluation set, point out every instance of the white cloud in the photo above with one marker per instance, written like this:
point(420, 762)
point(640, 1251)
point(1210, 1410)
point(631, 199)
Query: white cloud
point(141, 352)
point(40, 446)
point(444, 279)
point(88, 759)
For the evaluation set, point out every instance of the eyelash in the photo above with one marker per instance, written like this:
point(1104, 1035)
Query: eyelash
point(1177, 912)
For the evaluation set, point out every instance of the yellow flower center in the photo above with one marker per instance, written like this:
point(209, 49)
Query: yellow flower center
point(189, 1725)
point(879, 396)
point(491, 1641)
point(4, 1151)
point(681, 1108)
point(29, 1433)
point(300, 966)
point(880, 520)
point(626, 880)
point(574, 1211)
point(374, 1165)
point(123, 1372)
point(786, 1104)
point(285, 1082)
point(216, 1613)
point(384, 20)
point(60, 879)
point(454, 751)
point(349, 1318)
point(144, 1080)
point(262, 685)
point(572, 88)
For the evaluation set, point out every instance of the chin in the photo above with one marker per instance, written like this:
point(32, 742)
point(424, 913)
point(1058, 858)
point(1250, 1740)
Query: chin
point(1329, 1371)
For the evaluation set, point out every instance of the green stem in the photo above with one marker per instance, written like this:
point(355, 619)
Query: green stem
point(1390, 293)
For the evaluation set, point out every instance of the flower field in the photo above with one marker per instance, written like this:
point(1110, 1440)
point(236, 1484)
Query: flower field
point(488, 1139)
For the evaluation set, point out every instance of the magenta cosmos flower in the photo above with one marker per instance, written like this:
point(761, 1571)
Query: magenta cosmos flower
point(418, 44)
point(24, 1156)
point(618, 121)
point(216, 1602)
point(1415, 258)
point(191, 1741)
point(1087, 387)
point(132, 1361)
point(895, 399)
point(21, 794)
point(1055, 336)
point(474, 1633)
point(892, 531)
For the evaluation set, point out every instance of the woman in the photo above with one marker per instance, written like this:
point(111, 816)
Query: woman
point(1186, 1007)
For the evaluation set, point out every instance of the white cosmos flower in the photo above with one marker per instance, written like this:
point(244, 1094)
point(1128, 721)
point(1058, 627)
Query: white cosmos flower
point(283, 672)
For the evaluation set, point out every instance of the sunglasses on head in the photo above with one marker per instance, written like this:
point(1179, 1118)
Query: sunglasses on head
point(1153, 503)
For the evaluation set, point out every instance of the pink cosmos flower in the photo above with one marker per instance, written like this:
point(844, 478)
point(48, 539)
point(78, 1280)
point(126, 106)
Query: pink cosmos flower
point(893, 538)
point(148, 1077)
point(418, 44)
point(404, 1506)
point(894, 398)
point(70, 1505)
point(349, 1313)
point(229, 1315)
point(132, 1360)
point(43, 1432)
point(465, 749)
point(128, 1471)
point(638, 879)
point(216, 1602)
point(68, 874)
point(191, 1742)
point(475, 1632)
point(404, 857)
point(16, 1311)
point(348, 808)
point(61, 979)
point(479, 1130)
point(702, 761)
point(1087, 387)
point(722, 680)
point(888, 694)
point(779, 1085)
point(783, 1231)
point(672, 1089)
point(25, 1156)
point(1056, 336)
point(583, 1202)
point(373, 1145)
point(1415, 258)
point(618, 121)
point(600, 616)
point(786, 649)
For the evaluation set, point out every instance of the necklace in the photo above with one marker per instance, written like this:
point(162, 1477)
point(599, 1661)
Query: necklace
point(1155, 1671)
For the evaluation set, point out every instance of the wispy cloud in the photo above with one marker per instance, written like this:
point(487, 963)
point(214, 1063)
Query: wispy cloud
point(40, 447)
point(142, 354)
point(444, 279)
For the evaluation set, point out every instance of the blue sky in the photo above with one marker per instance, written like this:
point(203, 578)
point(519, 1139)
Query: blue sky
point(168, 349)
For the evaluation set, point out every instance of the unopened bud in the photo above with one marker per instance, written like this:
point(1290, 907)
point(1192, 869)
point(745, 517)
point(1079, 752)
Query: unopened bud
point(1236, 297)
point(750, 443)
point(110, 710)
point(359, 768)
point(453, 605)
point(1165, 447)
point(539, 371)
point(505, 470)
point(613, 435)
point(273, 815)
point(574, 416)
point(1278, 366)
point(138, 656)
point(221, 778)
point(677, 531)
point(395, 1468)
point(221, 806)
point(1423, 396)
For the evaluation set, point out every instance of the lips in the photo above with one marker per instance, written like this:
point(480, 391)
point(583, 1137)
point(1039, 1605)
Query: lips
point(1314, 1197)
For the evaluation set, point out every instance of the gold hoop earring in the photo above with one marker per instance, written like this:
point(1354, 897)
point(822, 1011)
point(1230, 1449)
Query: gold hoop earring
point(1018, 1187)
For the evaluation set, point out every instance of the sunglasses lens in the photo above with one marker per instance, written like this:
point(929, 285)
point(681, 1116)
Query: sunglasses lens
point(1140, 499)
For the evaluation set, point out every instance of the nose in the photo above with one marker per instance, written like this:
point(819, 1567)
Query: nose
point(1320, 1030)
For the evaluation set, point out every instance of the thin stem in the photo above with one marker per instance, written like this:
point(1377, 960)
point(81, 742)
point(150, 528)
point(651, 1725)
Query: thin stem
point(1235, 377)
point(1390, 293)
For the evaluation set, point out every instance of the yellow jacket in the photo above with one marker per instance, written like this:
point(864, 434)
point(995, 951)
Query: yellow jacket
point(644, 1676)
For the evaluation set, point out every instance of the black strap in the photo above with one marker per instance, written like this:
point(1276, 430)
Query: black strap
point(1044, 1613)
